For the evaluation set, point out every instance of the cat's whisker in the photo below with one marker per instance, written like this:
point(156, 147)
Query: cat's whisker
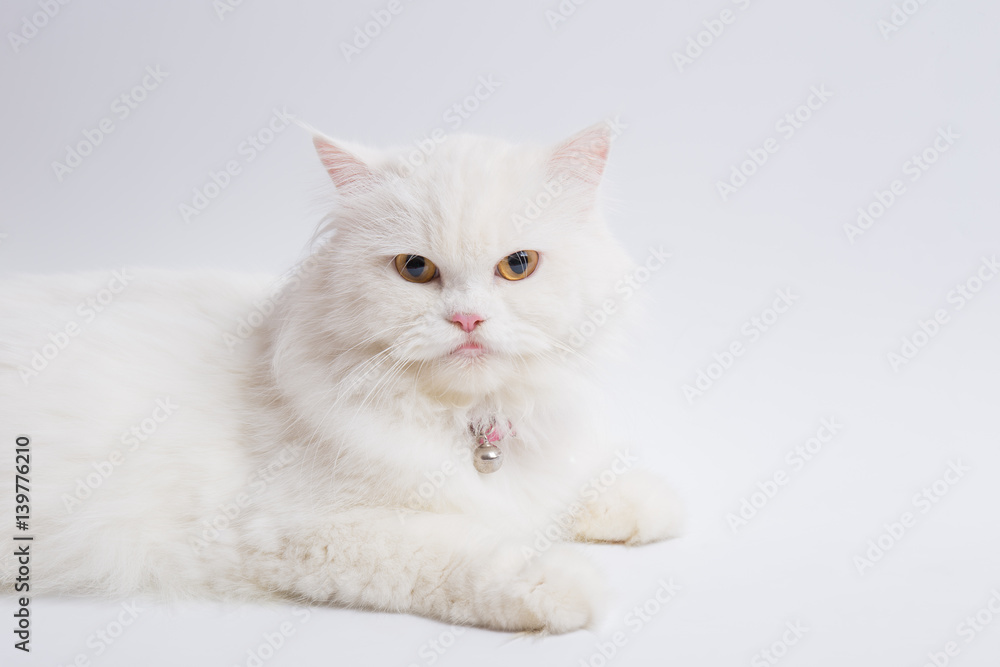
point(369, 339)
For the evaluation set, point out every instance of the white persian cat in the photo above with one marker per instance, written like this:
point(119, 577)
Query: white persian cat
point(410, 422)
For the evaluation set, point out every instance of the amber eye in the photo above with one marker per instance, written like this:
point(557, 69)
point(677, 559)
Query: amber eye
point(518, 265)
point(415, 268)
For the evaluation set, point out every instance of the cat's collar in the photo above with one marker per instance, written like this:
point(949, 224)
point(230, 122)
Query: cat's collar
point(488, 457)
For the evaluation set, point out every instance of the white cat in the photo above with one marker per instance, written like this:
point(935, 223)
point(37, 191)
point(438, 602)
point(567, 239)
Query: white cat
point(201, 433)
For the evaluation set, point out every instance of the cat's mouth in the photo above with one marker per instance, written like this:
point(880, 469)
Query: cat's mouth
point(469, 349)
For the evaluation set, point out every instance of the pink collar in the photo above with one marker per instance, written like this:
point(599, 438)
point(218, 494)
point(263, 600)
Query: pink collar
point(495, 433)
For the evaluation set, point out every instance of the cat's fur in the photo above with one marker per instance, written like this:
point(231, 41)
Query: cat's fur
point(315, 443)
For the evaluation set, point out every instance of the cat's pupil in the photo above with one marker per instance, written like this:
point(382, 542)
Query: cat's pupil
point(518, 262)
point(415, 265)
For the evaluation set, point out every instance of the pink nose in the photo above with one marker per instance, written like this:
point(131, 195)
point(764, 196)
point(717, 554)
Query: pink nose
point(467, 321)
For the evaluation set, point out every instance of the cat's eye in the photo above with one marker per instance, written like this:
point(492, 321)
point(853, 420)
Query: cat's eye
point(415, 268)
point(518, 265)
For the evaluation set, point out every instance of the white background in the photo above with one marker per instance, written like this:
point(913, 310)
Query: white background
point(784, 229)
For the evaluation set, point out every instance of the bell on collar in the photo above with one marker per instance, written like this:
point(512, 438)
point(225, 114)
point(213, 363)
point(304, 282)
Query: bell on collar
point(487, 457)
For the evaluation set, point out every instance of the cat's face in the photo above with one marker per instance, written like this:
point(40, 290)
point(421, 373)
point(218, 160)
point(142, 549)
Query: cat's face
point(472, 270)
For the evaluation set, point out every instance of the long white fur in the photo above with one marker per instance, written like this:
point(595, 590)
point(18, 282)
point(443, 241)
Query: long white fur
point(322, 450)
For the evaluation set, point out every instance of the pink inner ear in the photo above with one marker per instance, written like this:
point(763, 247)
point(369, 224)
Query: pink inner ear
point(344, 168)
point(584, 155)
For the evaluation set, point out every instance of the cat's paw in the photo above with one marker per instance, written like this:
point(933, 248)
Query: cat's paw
point(560, 589)
point(638, 508)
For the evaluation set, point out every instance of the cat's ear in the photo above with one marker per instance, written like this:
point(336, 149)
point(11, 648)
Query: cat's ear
point(583, 156)
point(346, 169)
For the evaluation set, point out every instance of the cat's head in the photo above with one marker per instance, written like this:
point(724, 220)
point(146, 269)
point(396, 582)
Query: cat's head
point(469, 264)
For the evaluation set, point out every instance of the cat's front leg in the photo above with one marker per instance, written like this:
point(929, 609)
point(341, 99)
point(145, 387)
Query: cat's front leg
point(637, 508)
point(444, 566)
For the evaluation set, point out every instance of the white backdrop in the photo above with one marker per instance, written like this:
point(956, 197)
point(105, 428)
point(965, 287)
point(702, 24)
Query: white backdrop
point(879, 549)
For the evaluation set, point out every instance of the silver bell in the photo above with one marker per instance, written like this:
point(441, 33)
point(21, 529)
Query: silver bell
point(487, 458)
